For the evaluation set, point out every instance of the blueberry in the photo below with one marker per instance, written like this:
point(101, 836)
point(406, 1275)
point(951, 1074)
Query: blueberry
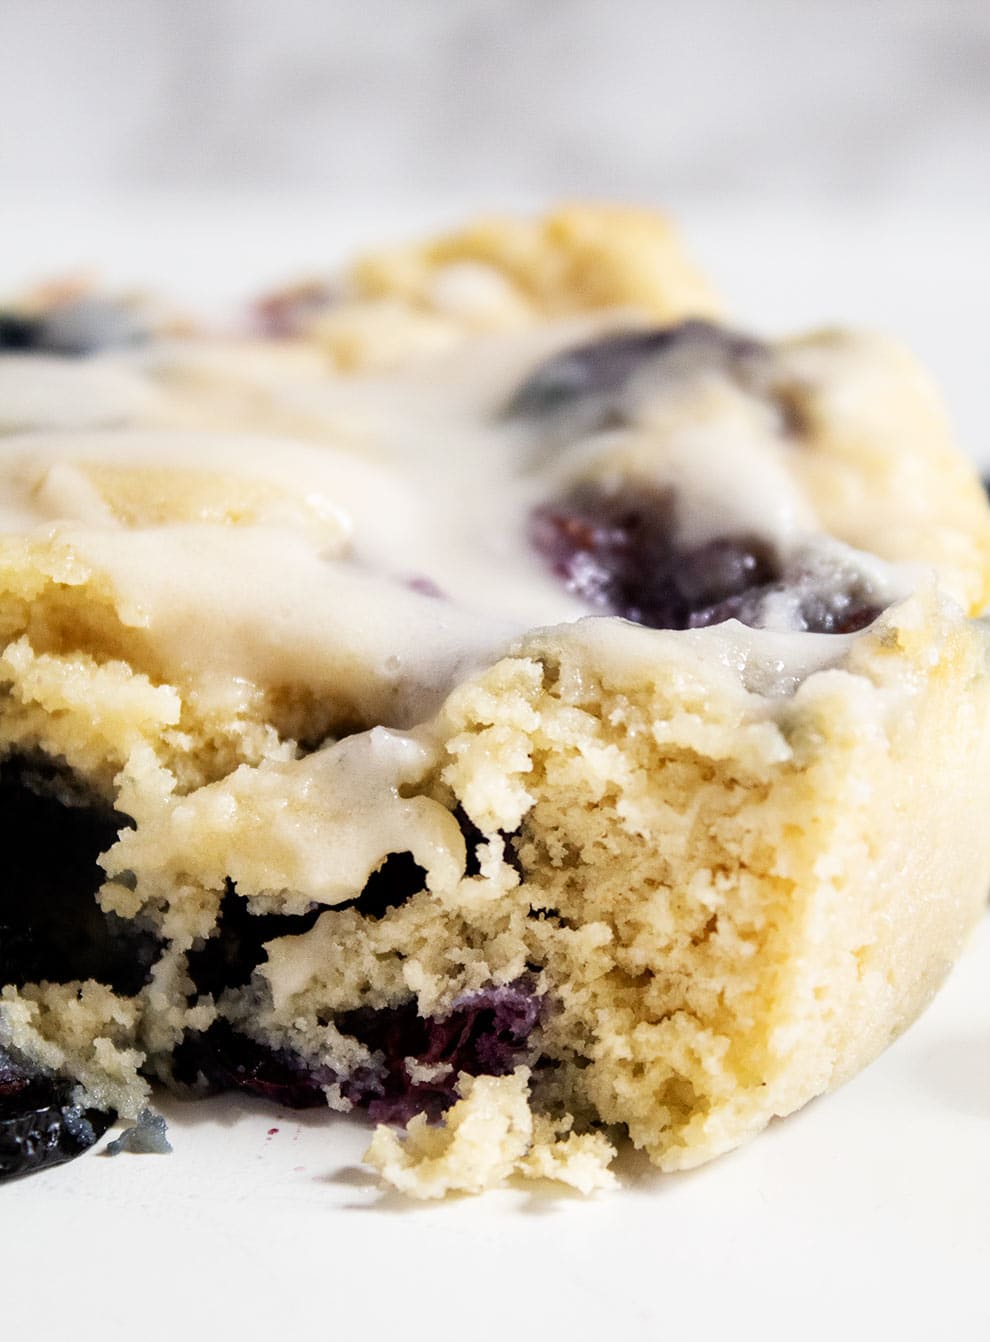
point(487, 1032)
point(17, 332)
point(617, 551)
point(229, 957)
point(484, 1033)
point(397, 879)
point(839, 611)
point(80, 327)
point(588, 387)
point(52, 831)
point(819, 602)
point(40, 1125)
point(224, 1059)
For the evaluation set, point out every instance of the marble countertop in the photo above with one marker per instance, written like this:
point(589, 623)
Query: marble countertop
point(828, 161)
point(885, 102)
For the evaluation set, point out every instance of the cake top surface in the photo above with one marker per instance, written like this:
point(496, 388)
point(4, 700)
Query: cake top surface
point(402, 526)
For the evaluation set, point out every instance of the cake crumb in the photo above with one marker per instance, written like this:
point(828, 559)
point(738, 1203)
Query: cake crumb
point(581, 1160)
point(489, 1134)
point(147, 1137)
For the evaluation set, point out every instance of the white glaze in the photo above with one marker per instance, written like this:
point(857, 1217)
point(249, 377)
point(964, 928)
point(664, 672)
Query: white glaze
point(411, 478)
point(37, 392)
point(288, 829)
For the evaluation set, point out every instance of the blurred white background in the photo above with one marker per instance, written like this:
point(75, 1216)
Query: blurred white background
point(828, 158)
point(856, 99)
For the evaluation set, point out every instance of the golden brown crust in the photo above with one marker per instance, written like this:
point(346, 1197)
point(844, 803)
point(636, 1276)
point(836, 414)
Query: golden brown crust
point(502, 271)
point(877, 457)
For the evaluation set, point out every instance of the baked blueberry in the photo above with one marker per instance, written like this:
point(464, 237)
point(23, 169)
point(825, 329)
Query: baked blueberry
point(488, 1033)
point(223, 1059)
point(229, 957)
point(417, 1059)
point(52, 831)
point(79, 327)
point(617, 551)
point(17, 332)
point(40, 1124)
point(590, 386)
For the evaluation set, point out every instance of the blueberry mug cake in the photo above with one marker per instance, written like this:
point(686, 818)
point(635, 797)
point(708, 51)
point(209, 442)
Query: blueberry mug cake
point(494, 694)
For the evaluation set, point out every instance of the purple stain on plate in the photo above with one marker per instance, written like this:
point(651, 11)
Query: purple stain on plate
point(426, 587)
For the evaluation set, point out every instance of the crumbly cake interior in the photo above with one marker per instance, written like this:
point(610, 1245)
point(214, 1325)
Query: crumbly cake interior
point(465, 702)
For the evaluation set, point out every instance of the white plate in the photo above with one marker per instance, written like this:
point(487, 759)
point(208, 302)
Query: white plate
point(865, 1216)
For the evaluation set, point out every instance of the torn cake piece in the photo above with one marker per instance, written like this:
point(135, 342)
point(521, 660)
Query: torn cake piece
point(500, 698)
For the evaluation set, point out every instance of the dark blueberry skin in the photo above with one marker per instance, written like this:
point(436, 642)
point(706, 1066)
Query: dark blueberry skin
point(397, 879)
point(17, 332)
point(838, 612)
point(484, 1033)
point(51, 928)
point(73, 329)
point(617, 551)
point(587, 388)
point(231, 955)
point(487, 1032)
point(225, 1060)
point(40, 1126)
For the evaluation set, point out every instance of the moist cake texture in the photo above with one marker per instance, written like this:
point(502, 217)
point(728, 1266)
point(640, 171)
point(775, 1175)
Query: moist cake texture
point(499, 697)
